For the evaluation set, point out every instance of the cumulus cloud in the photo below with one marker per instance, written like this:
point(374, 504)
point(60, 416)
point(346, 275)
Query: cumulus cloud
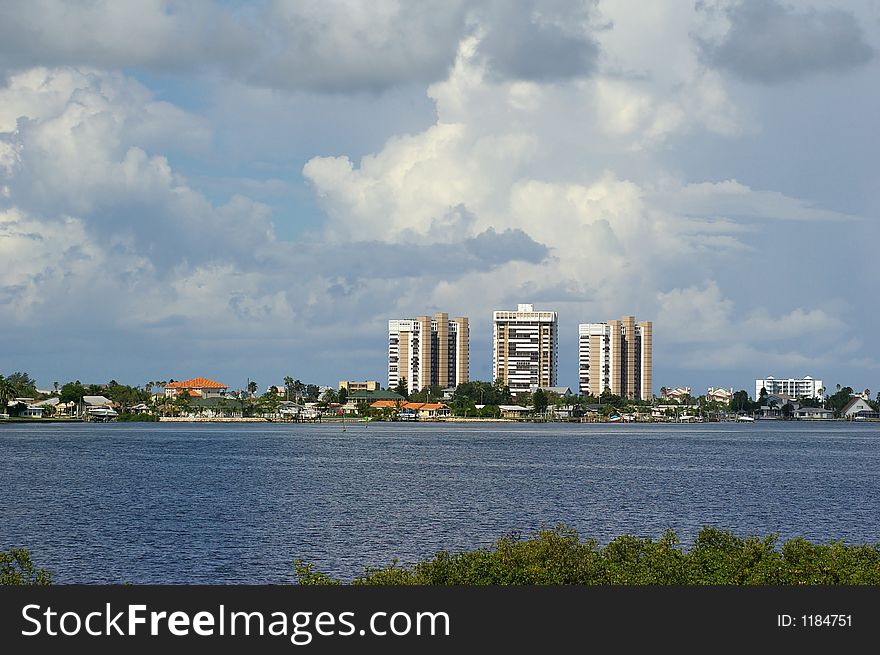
point(703, 314)
point(769, 42)
point(95, 227)
point(614, 234)
point(705, 331)
point(552, 173)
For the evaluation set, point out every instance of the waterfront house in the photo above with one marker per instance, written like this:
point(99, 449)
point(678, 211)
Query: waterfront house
point(677, 394)
point(812, 413)
point(513, 411)
point(32, 411)
point(772, 407)
point(424, 411)
point(562, 411)
point(858, 409)
point(358, 401)
point(719, 395)
point(429, 410)
point(196, 387)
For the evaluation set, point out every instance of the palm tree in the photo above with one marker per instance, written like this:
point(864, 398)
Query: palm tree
point(252, 387)
point(288, 383)
point(7, 391)
point(298, 387)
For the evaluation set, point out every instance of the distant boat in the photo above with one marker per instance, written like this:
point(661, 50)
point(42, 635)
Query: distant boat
point(745, 419)
point(614, 418)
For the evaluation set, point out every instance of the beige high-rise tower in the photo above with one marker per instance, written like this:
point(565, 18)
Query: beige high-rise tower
point(427, 351)
point(617, 356)
point(524, 348)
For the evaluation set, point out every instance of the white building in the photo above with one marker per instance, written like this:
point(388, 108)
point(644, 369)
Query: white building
point(616, 355)
point(858, 408)
point(426, 351)
point(719, 394)
point(524, 348)
point(805, 387)
point(675, 393)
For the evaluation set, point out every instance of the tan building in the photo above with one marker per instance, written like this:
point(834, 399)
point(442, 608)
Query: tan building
point(616, 355)
point(524, 346)
point(675, 393)
point(427, 351)
point(197, 388)
point(350, 386)
point(719, 394)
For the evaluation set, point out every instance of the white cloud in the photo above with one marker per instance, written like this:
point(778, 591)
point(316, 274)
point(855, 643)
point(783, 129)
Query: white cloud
point(570, 188)
point(733, 199)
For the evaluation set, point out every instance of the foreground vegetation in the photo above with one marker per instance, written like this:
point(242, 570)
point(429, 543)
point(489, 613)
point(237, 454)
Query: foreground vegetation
point(16, 568)
point(558, 557)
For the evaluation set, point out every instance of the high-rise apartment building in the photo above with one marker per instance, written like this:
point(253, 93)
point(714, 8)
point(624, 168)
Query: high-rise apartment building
point(426, 351)
point(617, 356)
point(524, 348)
point(805, 387)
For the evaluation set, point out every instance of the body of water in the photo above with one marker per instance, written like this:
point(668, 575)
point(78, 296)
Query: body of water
point(236, 503)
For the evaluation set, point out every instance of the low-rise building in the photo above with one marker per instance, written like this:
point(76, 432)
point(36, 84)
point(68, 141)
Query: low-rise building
point(675, 393)
point(719, 394)
point(812, 413)
point(32, 411)
point(416, 410)
point(363, 398)
point(858, 408)
point(196, 387)
point(513, 411)
point(367, 385)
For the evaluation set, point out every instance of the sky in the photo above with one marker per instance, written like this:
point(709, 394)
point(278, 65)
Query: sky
point(246, 191)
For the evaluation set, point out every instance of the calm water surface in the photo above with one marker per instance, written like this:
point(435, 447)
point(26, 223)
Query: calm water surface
point(221, 503)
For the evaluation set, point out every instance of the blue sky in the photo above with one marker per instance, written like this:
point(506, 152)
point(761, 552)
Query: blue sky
point(252, 190)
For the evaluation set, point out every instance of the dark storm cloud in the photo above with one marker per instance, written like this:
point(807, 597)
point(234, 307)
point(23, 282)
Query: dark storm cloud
point(539, 41)
point(769, 42)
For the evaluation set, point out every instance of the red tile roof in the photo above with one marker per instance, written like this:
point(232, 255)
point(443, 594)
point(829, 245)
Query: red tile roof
point(380, 404)
point(196, 383)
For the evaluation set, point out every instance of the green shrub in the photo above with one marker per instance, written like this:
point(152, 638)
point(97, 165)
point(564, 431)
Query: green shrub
point(16, 568)
point(558, 557)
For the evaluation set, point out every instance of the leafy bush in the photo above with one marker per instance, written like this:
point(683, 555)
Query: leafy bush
point(558, 557)
point(16, 568)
